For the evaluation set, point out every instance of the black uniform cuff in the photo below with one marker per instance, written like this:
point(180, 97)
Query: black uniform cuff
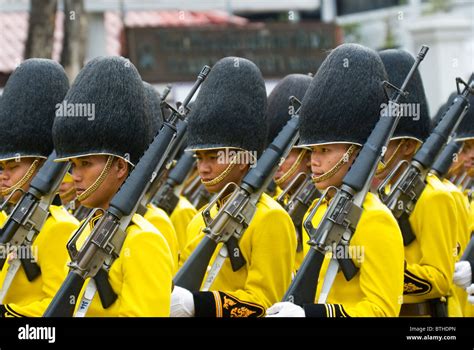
point(324, 310)
point(204, 305)
point(219, 304)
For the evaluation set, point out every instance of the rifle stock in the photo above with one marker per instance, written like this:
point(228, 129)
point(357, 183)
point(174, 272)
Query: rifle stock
point(191, 275)
point(303, 287)
point(468, 254)
point(64, 302)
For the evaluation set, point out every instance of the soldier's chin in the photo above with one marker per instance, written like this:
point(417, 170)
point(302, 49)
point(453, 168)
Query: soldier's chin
point(470, 172)
point(322, 186)
point(89, 203)
point(212, 189)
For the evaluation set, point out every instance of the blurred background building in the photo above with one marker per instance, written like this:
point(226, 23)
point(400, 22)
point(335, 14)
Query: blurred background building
point(169, 40)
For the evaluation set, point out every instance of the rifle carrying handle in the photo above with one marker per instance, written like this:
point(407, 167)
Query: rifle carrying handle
point(191, 274)
point(303, 288)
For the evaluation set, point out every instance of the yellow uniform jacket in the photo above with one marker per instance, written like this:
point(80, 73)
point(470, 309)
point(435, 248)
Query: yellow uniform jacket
point(471, 215)
point(3, 218)
point(458, 296)
point(468, 310)
point(463, 218)
point(431, 256)
point(376, 248)
point(31, 299)
point(141, 276)
point(278, 192)
point(299, 255)
point(181, 217)
point(162, 222)
point(268, 246)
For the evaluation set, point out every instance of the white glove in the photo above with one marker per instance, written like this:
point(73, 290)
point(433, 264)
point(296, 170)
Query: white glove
point(462, 274)
point(285, 309)
point(182, 303)
point(470, 294)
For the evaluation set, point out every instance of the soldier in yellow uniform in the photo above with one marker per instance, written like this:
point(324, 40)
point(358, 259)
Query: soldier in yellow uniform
point(27, 112)
point(157, 216)
point(181, 217)
point(67, 192)
point(463, 269)
point(457, 170)
point(279, 111)
point(339, 110)
point(103, 150)
point(228, 115)
point(430, 257)
point(68, 196)
point(458, 296)
point(3, 217)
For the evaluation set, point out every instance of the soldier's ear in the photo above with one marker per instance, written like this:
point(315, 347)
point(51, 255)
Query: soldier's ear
point(243, 167)
point(409, 147)
point(122, 168)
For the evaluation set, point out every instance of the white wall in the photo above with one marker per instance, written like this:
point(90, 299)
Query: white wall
point(450, 36)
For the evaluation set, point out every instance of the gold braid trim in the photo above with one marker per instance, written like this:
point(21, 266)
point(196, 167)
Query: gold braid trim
point(92, 188)
point(330, 173)
point(384, 165)
point(293, 168)
point(25, 179)
point(222, 175)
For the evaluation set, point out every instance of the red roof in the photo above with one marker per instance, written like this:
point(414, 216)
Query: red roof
point(14, 29)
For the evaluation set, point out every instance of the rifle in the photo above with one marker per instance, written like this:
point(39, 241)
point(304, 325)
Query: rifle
point(343, 213)
point(467, 184)
point(167, 197)
point(457, 180)
point(179, 139)
point(468, 254)
point(442, 164)
point(81, 212)
point(27, 219)
point(299, 202)
point(166, 92)
point(104, 243)
point(402, 198)
point(235, 215)
point(163, 97)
